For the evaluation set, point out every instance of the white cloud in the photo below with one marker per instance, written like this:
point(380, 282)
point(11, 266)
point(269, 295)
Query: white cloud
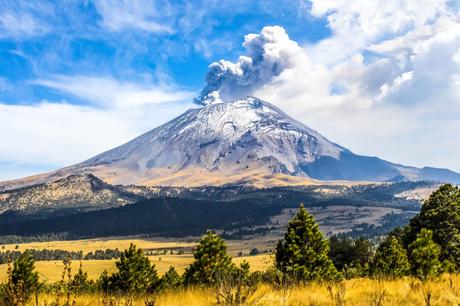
point(63, 134)
point(118, 15)
point(358, 23)
point(111, 93)
point(386, 89)
point(386, 83)
point(17, 20)
point(396, 64)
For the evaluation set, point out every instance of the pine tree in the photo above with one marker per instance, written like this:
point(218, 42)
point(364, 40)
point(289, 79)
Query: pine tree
point(103, 282)
point(440, 214)
point(390, 259)
point(171, 279)
point(303, 255)
point(425, 255)
point(348, 253)
point(136, 275)
point(80, 282)
point(211, 261)
point(23, 276)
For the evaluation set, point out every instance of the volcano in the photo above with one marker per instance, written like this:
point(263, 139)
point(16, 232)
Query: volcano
point(236, 143)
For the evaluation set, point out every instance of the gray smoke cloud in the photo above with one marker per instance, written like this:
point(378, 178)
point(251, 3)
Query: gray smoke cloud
point(269, 53)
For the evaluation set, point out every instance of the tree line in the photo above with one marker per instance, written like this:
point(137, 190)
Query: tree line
point(427, 247)
point(45, 254)
point(56, 254)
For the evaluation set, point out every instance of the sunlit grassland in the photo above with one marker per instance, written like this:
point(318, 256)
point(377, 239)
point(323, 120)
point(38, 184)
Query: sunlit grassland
point(91, 245)
point(51, 271)
point(445, 291)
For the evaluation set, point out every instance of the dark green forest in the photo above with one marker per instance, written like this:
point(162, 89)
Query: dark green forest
point(192, 211)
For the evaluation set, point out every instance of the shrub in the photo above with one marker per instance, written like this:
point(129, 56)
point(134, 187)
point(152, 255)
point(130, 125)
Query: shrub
point(254, 252)
point(238, 287)
point(24, 272)
point(103, 282)
point(22, 281)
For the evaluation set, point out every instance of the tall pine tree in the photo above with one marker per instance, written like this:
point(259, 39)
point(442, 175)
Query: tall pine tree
point(440, 214)
point(211, 261)
point(136, 275)
point(23, 279)
point(425, 255)
point(390, 259)
point(171, 279)
point(303, 254)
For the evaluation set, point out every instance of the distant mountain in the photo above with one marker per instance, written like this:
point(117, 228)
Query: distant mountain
point(236, 142)
point(83, 192)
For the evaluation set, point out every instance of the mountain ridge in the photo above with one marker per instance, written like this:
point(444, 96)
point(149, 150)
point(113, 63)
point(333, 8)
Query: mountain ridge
point(230, 142)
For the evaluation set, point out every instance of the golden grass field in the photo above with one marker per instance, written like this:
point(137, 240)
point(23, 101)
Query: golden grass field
point(91, 245)
point(356, 292)
point(51, 271)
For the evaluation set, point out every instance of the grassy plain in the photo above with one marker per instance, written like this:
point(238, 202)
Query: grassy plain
point(91, 245)
point(357, 292)
point(51, 271)
point(407, 291)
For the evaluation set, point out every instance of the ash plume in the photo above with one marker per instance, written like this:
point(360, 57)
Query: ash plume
point(268, 54)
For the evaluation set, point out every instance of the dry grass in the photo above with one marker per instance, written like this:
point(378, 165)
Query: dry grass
point(91, 245)
point(357, 292)
point(51, 271)
point(258, 262)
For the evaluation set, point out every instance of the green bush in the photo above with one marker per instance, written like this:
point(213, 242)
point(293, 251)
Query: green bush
point(237, 287)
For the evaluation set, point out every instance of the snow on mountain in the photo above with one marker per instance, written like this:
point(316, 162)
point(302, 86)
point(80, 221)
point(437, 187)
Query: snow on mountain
point(228, 142)
point(225, 138)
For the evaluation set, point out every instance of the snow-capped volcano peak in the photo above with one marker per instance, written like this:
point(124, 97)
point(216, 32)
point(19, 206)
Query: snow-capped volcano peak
point(227, 123)
point(240, 141)
point(224, 137)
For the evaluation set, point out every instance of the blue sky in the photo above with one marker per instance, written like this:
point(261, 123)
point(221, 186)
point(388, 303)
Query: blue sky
point(80, 77)
point(174, 43)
